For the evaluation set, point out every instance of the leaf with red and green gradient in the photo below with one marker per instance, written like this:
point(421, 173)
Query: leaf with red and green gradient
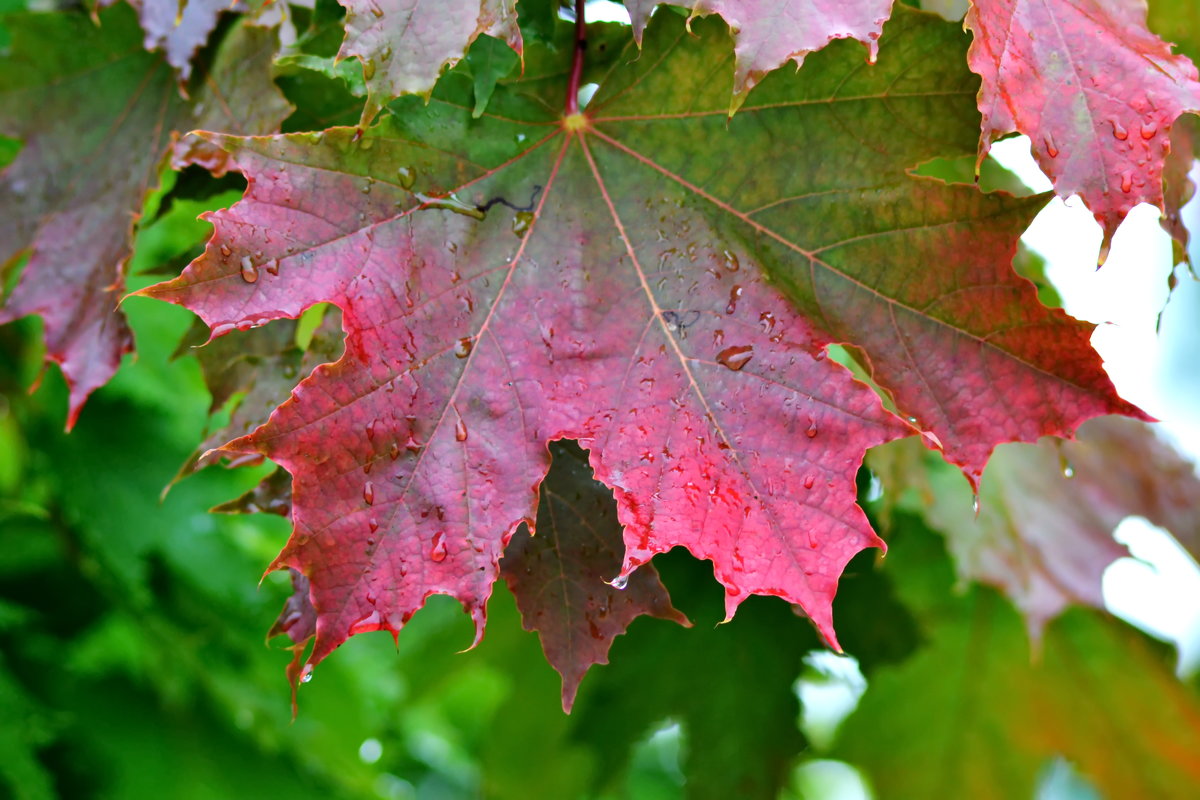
point(769, 33)
point(653, 280)
point(178, 28)
point(559, 576)
point(96, 114)
point(977, 714)
point(404, 44)
point(1047, 511)
point(1094, 90)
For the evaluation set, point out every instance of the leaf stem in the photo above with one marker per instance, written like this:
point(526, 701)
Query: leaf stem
point(577, 64)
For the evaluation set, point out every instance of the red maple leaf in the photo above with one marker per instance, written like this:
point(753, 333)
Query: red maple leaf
point(653, 280)
point(1092, 87)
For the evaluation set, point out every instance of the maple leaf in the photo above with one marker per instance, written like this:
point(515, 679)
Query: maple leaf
point(423, 36)
point(632, 311)
point(768, 33)
point(976, 714)
point(1047, 511)
point(1094, 90)
point(558, 577)
point(70, 197)
point(177, 28)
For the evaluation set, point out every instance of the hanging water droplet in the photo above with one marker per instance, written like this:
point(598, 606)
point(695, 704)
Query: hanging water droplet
point(975, 504)
point(521, 222)
point(438, 551)
point(368, 70)
point(735, 357)
point(407, 176)
point(369, 493)
point(307, 674)
point(460, 430)
point(1148, 130)
point(619, 582)
point(1127, 182)
point(1119, 131)
point(463, 347)
point(249, 271)
point(1051, 150)
point(1067, 470)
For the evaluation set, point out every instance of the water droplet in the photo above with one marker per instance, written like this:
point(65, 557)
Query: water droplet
point(731, 261)
point(521, 222)
point(975, 504)
point(734, 294)
point(735, 357)
point(249, 271)
point(407, 176)
point(1068, 471)
point(377, 11)
point(809, 480)
point(369, 493)
point(463, 347)
point(394, 450)
point(718, 337)
point(373, 524)
point(1051, 150)
point(368, 70)
point(1119, 131)
point(366, 187)
point(619, 582)
point(371, 430)
point(1127, 182)
point(438, 551)
point(811, 431)
point(307, 674)
point(225, 251)
point(460, 431)
point(272, 266)
point(385, 54)
point(1148, 130)
point(766, 321)
point(412, 445)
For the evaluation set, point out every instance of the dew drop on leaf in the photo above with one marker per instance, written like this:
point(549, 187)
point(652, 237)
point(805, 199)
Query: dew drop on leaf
point(249, 271)
point(811, 431)
point(731, 261)
point(438, 551)
point(1051, 150)
point(1119, 131)
point(809, 480)
point(368, 70)
point(1127, 182)
point(369, 493)
point(225, 251)
point(1148, 130)
point(521, 222)
point(460, 430)
point(734, 294)
point(407, 176)
point(463, 347)
point(735, 357)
